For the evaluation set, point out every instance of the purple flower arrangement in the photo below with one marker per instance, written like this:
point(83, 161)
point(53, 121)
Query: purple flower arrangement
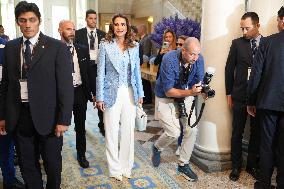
point(180, 26)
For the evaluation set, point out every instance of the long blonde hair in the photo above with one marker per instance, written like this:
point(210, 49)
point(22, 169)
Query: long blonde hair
point(173, 44)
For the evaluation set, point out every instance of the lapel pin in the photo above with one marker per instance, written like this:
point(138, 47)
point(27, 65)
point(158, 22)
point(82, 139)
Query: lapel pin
point(42, 46)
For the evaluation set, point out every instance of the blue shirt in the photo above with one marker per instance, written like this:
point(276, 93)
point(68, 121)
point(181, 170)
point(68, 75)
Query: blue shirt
point(169, 73)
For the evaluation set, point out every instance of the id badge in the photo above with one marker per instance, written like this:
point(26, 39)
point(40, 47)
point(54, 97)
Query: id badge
point(93, 55)
point(249, 70)
point(1, 72)
point(24, 90)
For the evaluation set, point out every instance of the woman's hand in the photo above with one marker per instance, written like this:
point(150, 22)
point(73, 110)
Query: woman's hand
point(140, 101)
point(163, 51)
point(101, 105)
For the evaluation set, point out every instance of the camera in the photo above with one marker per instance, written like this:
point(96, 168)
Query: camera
point(205, 83)
point(183, 79)
point(181, 107)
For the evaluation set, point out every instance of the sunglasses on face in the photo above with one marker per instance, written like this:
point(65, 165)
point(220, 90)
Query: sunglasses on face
point(179, 44)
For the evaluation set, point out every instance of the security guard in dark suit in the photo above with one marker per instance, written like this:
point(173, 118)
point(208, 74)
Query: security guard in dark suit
point(238, 66)
point(82, 86)
point(265, 92)
point(36, 98)
point(7, 148)
point(91, 37)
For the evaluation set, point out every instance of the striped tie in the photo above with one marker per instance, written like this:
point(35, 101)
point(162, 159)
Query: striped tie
point(253, 47)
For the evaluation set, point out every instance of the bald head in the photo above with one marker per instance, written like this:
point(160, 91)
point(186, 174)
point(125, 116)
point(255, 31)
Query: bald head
point(191, 42)
point(142, 29)
point(66, 30)
point(191, 50)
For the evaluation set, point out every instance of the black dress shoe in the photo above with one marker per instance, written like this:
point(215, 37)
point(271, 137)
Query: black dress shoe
point(235, 174)
point(254, 172)
point(16, 185)
point(147, 102)
point(83, 162)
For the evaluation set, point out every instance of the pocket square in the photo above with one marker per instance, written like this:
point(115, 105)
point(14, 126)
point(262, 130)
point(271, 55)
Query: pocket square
point(2, 46)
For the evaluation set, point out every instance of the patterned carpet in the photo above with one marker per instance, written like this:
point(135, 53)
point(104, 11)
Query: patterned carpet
point(144, 175)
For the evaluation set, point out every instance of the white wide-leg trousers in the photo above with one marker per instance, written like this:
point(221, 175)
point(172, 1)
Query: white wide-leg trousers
point(120, 119)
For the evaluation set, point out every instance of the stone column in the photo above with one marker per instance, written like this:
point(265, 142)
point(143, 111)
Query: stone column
point(220, 25)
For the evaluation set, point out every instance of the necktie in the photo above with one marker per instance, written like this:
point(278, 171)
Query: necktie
point(27, 58)
point(28, 54)
point(253, 47)
point(71, 48)
point(92, 41)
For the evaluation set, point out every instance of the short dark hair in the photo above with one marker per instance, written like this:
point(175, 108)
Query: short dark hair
point(254, 17)
point(23, 7)
point(134, 29)
point(281, 13)
point(183, 37)
point(90, 11)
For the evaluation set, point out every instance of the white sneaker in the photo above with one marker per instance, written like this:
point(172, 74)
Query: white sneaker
point(177, 152)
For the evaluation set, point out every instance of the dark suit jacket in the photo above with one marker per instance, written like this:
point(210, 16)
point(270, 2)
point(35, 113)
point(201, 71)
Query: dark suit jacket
point(146, 45)
point(50, 85)
point(236, 70)
point(266, 87)
point(84, 64)
point(81, 37)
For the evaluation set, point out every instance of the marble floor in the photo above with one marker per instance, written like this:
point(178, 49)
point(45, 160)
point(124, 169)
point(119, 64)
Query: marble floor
point(163, 177)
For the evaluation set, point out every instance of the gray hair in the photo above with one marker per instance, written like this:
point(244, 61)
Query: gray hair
point(189, 41)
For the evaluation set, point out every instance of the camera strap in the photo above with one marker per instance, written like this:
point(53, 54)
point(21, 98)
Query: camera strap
point(199, 116)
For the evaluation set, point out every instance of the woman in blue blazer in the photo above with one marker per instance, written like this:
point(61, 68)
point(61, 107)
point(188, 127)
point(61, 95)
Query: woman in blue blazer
point(119, 90)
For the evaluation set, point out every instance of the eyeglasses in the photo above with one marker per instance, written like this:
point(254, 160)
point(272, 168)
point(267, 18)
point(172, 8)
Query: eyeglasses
point(179, 44)
point(24, 20)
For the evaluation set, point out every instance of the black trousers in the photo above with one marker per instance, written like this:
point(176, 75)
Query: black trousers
point(239, 121)
point(147, 91)
point(272, 140)
point(79, 112)
point(101, 123)
point(30, 145)
point(100, 113)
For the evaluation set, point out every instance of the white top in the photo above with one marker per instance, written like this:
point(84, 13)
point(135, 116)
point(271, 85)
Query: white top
point(93, 53)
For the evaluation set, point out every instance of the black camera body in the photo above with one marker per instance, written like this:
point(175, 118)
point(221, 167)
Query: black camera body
point(205, 85)
point(181, 107)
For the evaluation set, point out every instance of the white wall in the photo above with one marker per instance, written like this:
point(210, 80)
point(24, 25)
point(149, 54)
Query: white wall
point(51, 22)
point(267, 11)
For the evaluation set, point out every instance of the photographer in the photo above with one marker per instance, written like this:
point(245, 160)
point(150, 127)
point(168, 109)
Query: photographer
point(180, 76)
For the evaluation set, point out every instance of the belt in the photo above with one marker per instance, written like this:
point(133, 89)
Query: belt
point(76, 86)
point(167, 99)
point(92, 62)
point(26, 104)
